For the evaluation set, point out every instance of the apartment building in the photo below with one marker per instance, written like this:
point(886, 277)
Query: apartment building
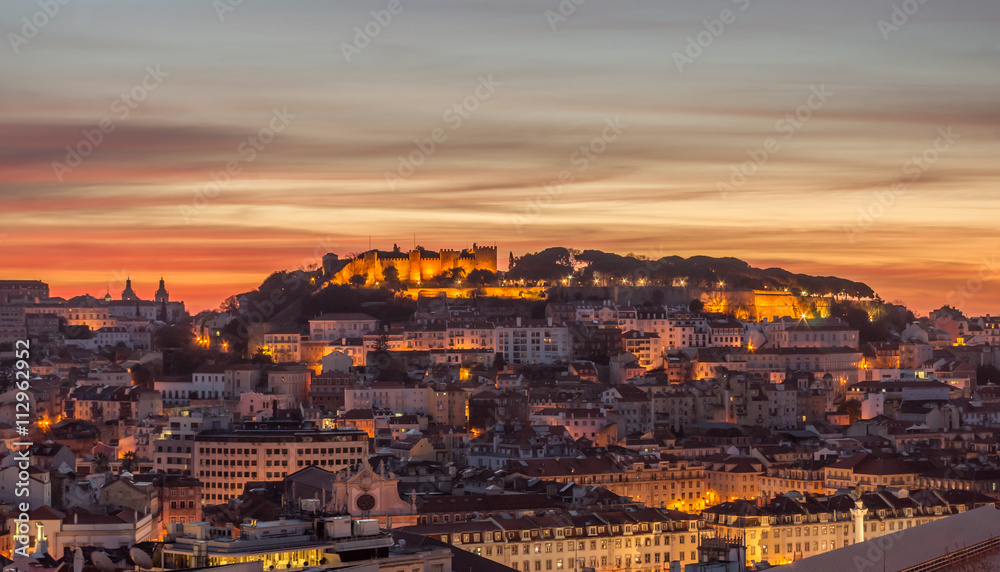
point(172, 449)
point(794, 526)
point(335, 326)
point(225, 461)
point(533, 342)
point(655, 480)
point(646, 540)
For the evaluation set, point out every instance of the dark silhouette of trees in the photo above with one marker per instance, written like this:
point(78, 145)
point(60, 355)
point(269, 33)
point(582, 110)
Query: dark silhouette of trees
point(173, 336)
point(480, 277)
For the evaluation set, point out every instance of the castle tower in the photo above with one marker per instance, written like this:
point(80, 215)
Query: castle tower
point(128, 293)
point(161, 293)
point(449, 259)
point(486, 257)
point(416, 262)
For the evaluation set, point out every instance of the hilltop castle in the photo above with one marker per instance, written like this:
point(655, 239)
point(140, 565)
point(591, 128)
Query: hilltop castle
point(413, 266)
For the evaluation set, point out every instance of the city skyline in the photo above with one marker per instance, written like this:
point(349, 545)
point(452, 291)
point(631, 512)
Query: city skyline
point(828, 103)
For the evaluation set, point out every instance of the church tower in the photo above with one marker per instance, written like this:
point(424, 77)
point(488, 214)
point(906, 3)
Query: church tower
point(128, 293)
point(161, 293)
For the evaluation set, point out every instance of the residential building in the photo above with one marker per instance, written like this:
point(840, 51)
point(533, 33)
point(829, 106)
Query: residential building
point(224, 461)
point(335, 326)
point(642, 541)
point(869, 472)
point(533, 342)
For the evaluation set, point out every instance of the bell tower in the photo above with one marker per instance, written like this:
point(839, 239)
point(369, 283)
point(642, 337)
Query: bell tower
point(161, 293)
point(129, 294)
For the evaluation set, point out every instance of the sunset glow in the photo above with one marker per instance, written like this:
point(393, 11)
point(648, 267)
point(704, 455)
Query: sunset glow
point(153, 196)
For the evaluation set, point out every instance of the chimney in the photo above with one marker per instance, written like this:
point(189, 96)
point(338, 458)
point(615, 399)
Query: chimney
point(519, 321)
point(550, 320)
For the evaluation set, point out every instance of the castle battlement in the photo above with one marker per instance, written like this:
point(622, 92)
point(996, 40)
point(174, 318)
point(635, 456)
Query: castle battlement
point(417, 265)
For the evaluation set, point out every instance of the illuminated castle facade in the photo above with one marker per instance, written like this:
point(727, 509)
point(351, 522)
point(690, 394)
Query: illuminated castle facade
point(413, 266)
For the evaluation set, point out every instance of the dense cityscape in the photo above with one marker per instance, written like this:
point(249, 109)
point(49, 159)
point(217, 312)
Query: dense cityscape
point(499, 286)
point(397, 410)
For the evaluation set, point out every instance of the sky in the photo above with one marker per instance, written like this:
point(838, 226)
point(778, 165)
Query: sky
point(214, 142)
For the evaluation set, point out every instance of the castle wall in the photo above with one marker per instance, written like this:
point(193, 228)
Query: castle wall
point(429, 268)
point(449, 259)
point(416, 267)
point(764, 304)
point(402, 266)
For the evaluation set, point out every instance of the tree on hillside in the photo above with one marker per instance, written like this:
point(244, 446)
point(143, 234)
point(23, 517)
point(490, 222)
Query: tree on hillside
point(260, 357)
point(130, 462)
point(230, 305)
point(381, 360)
point(142, 376)
point(358, 280)
point(480, 277)
point(101, 463)
point(851, 408)
point(173, 336)
point(551, 264)
point(6, 377)
point(391, 275)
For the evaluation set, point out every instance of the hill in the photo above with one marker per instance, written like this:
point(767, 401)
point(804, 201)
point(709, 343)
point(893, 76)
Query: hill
point(597, 267)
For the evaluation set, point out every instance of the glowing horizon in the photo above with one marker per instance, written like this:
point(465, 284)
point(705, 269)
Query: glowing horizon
point(248, 142)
